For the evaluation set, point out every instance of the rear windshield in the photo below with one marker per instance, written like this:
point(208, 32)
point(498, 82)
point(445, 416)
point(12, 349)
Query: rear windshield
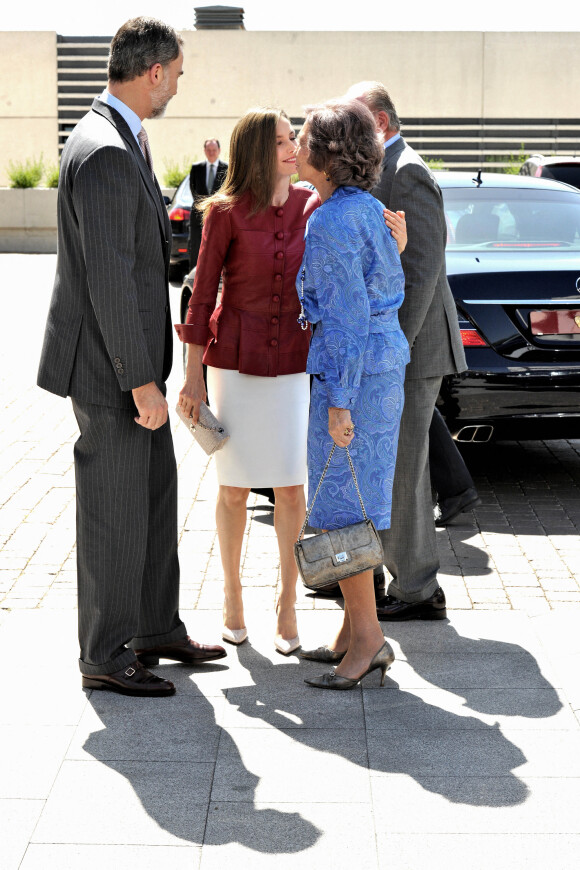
point(496, 218)
point(569, 174)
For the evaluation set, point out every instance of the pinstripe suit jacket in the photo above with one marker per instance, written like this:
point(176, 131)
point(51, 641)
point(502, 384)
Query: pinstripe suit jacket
point(109, 325)
point(428, 315)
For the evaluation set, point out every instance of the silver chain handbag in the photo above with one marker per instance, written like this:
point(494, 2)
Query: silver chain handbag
point(340, 553)
point(208, 431)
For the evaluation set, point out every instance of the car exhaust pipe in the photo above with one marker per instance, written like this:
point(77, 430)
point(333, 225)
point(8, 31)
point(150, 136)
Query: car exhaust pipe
point(480, 434)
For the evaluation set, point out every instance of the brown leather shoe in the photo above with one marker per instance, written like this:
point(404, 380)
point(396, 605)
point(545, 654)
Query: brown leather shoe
point(133, 680)
point(187, 651)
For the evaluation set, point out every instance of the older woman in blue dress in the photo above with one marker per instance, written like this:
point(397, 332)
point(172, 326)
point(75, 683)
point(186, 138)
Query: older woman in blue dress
point(353, 287)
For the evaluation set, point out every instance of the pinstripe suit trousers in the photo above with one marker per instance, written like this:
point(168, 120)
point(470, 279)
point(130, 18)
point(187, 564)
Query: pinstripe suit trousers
point(127, 564)
point(410, 545)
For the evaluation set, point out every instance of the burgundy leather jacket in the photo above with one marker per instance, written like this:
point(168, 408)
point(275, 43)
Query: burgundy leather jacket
point(255, 328)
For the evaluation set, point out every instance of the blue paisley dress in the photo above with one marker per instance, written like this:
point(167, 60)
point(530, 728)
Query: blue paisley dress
point(353, 287)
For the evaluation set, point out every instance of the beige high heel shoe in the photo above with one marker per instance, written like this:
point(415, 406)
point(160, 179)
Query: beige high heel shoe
point(234, 635)
point(282, 645)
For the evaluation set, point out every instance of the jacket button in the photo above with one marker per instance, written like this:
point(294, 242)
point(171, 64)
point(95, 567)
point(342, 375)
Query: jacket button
point(275, 298)
point(277, 277)
point(280, 255)
point(274, 342)
point(279, 212)
point(117, 359)
point(274, 320)
point(279, 235)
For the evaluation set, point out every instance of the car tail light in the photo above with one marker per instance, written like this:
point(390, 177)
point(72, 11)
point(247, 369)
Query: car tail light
point(182, 250)
point(472, 338)
point(179, 214)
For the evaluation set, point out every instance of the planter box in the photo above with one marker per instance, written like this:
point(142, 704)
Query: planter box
point(28, 220)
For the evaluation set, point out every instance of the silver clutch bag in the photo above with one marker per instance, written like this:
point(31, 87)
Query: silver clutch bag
point(340, 553)
point(208, 431)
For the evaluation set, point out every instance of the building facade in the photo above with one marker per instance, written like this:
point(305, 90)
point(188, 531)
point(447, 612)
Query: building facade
point(468, 99)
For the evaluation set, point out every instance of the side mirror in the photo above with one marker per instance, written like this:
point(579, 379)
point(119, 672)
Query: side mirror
point(167, 200)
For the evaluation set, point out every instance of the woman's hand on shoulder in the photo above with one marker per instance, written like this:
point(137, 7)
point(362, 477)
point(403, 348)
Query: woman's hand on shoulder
point(398, 226)
point(340, 426)
point(193, 392)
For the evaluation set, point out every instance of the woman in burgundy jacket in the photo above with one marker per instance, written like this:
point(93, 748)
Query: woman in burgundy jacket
point(255, 350)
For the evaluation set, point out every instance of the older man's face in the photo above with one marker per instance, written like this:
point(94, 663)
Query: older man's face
point(212, 151)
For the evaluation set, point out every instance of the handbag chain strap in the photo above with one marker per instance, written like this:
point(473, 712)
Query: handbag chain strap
point(302, 316)
point(309, 511)
point(193, 426)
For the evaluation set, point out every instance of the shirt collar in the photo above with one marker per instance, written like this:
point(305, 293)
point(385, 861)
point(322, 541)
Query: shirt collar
point(392, 140)
point(133, 120)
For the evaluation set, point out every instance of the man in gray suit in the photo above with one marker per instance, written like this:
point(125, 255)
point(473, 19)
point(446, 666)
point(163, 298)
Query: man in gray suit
point(108, 345)
point(428, 318)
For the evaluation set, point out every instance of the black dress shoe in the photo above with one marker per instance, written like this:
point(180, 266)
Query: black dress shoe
point(456, 504)
point(187, 651)
point(134, 680)
point(394, 610)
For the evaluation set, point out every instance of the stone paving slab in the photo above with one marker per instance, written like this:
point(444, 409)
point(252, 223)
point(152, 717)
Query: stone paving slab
point(47, 856)
point(478, 805)
point(478, 851)
point(18, 819)
point(290, 835)
point(135, 803)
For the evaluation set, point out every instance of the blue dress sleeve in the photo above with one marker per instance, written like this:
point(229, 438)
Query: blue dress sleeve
point(335, 283)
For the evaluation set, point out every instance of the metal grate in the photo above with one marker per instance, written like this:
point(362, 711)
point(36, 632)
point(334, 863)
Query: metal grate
point(489, 143)
point(82, 75)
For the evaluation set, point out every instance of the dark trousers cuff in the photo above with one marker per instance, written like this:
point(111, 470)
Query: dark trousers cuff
point(126, 658)
point(178, 633)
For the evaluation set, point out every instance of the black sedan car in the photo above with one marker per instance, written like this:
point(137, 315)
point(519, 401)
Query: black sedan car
point(561, 168)
point(179, 209)
point(513, 262)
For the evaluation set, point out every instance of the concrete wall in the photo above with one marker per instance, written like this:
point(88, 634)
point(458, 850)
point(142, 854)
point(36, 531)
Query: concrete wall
point(28, 221)
point(28, 98)
point(429, 75)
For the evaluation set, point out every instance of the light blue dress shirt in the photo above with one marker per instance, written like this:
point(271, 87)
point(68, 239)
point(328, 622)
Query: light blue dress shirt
point(392, 141)
point(133, 120)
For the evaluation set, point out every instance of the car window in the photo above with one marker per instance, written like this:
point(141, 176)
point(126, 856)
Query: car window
point(183, 197)
point(568, 174)
point(496, 218)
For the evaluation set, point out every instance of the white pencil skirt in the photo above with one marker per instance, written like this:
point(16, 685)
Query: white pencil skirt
point(267, 420)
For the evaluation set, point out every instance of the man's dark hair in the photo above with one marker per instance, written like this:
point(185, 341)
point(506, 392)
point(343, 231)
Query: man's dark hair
point(217, 142)
point(138, 44)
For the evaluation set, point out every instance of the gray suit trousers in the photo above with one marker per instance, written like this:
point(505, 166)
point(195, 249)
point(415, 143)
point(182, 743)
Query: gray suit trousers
point(127, 565)
point(410, 546)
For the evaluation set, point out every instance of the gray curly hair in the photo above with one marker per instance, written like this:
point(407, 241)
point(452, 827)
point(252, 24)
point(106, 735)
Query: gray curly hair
point(342, 141)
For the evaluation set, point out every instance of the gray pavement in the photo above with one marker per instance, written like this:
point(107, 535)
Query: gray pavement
point(470, 755)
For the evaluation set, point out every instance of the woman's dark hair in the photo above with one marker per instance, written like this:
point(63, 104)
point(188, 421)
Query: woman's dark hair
point(138, 44)
point(342, 141)
point(253, 163)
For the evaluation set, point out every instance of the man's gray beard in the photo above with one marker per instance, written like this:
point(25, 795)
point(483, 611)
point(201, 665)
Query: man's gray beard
point(158, 111)
point(160, 101)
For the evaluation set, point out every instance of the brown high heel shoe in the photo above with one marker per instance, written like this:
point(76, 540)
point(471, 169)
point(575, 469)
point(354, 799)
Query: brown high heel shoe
point(383, 660)
point(322, 654)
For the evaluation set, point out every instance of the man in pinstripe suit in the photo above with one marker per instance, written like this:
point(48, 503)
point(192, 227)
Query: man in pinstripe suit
point(108, 345)
point(428, 318)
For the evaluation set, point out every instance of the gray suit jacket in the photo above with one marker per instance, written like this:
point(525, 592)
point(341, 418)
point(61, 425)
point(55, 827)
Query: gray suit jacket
point(109, 325)
point(428, 315)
